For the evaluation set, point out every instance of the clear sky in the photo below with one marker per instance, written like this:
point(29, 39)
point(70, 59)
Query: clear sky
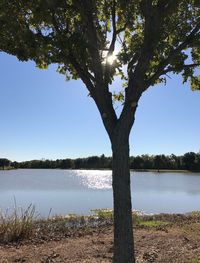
point(43, 116)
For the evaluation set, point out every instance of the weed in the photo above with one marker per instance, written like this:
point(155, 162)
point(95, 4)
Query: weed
point(196, 260)
point(153, 223)
point(196, 213)
point(103, 213)
point(17, 225)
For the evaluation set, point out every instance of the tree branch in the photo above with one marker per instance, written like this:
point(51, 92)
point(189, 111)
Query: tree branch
point(152, 32)
point(87, 12)
point(114, 36)
point(132, 62)
point(101, 96)
point(188, 40)
point(180, 68)
point(112, 44)
point(167, 7)
point(83, 73)
point(154, 21)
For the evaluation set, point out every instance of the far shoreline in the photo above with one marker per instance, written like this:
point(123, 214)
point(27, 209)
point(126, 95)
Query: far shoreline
point(106, 169)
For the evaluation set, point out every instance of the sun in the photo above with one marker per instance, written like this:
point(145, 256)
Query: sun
point(111, 59)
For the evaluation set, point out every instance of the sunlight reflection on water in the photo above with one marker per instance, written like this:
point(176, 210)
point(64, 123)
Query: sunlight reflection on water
point(95, 179)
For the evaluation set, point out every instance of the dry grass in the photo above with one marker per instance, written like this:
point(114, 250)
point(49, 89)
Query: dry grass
point(17, 224)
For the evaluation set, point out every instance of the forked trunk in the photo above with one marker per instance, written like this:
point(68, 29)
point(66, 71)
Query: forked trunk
point(123, 228)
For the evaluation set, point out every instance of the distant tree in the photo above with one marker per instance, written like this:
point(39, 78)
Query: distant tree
point(77, 163)
point(137, 163)
point(156, 38)
point(189, 160)
point(198, 161)
point(161, 162)
point(66, 164)
point(144, 161)
point(4, 163)
point(15, 164)
point(147, 161)
point(157, 162)
point(103, 161)
point(174, 162)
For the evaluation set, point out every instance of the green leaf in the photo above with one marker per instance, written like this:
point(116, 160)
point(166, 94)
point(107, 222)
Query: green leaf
point(195, 83)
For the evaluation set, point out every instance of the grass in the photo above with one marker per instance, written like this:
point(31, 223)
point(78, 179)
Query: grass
point(20, 224)
point(153, 223)
point(146, 221)
point(195, 213)
point(103, 213)
point(17, 224)
point(107, 214)
point(196, 260)
point(70, 221)
point(192, 229)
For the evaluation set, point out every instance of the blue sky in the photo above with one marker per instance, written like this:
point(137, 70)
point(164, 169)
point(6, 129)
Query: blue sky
point(43, 116)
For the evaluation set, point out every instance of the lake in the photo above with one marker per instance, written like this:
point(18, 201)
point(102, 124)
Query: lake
point(79, 191)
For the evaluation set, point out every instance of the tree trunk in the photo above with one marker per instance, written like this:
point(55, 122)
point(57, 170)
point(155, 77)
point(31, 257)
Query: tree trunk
point(123, 228)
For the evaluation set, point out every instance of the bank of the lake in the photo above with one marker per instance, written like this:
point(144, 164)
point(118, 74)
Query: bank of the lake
point(166, 171)
point(7, 168)
point(160, 238)
point(110, 169)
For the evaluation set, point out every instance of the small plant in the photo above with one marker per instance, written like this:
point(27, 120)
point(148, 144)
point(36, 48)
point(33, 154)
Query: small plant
point(136, 219)
point(140, 220)
point(196, 260)
point(17, 225)
point(103, 213)
point(196, 213)
point(153, 223)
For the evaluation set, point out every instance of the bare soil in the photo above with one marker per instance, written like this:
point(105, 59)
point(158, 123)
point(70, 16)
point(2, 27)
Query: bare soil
point(179, 241)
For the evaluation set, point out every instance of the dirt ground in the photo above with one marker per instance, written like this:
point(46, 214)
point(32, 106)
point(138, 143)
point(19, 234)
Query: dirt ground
point(178, 242)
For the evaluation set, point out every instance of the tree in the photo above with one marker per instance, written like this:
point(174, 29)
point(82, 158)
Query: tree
point(156, 37)
point(161, 162)
point(175, 162)
point(137, 163)
point(189, 160)
point(4, 162)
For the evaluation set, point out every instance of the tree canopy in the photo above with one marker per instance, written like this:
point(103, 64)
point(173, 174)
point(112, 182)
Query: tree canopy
point(4, 162)
point(154, 37)
point(150, 39)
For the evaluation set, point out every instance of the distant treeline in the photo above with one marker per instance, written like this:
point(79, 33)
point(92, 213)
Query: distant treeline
point(189, 161)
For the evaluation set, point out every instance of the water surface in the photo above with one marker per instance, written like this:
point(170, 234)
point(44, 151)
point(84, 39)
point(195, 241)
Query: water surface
point(79, 191)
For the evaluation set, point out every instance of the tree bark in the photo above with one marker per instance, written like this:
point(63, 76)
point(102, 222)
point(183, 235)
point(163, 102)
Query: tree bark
point(123, 228)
